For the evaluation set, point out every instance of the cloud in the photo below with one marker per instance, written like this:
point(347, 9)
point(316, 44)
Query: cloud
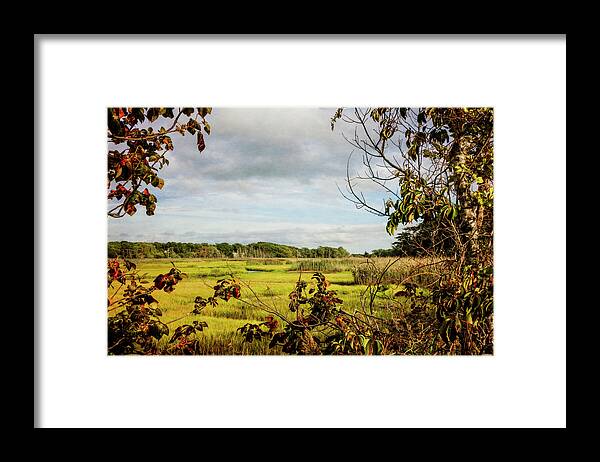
point(265, 175)
point(295, 144)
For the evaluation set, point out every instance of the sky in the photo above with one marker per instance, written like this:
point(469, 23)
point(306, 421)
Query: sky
point(267, 174)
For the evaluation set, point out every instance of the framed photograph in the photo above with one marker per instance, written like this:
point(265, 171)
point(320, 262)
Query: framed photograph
point(268, 220)
point(287, 236)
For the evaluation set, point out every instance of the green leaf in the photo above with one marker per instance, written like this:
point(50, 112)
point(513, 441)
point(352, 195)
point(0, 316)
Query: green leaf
point(391, 227)
point(164, 329)
point(377, 347)
point(469, 319)
point(366, 344)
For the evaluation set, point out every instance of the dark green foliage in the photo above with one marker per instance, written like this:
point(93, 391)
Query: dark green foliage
point(418, 240)
point(221, 250)
point(464, 309)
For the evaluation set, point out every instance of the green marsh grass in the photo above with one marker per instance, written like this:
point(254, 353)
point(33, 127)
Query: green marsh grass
point(271, 282)
point(403, 270)
point(323, 265)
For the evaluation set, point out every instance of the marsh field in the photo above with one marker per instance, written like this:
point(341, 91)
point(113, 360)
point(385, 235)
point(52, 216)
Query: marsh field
point(268, 281)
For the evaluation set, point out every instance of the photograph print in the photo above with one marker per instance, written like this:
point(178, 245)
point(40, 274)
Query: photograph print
point(300, 231)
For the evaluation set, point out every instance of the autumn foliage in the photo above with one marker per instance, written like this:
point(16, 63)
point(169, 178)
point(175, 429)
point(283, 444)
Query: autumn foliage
point(134, 315)
point(138, 151)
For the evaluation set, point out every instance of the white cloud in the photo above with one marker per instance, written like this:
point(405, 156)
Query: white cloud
point(266, 174)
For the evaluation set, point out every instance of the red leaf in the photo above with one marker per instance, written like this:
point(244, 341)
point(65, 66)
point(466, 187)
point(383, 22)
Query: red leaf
point(201, 144)
point(159, 281)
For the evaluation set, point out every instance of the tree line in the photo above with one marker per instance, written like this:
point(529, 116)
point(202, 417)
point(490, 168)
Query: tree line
point(128, 249)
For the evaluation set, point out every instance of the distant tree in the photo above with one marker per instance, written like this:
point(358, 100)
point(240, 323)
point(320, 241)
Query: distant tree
point(341, 252)
point(226, 249)
point(423, 239)
point(207, 251)
point(383, 253)
point(223, 249)
point(135, 155)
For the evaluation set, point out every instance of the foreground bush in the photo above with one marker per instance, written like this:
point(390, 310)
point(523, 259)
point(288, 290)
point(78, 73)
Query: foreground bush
point(318, 324)
point(134, 324)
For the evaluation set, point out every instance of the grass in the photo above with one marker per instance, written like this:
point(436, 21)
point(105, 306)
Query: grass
point(405, 270)
point(268, 261)
point(271, 280)
point(260, 268)
point(331, 265)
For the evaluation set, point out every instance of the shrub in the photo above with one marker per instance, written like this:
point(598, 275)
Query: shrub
point(136, 328)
